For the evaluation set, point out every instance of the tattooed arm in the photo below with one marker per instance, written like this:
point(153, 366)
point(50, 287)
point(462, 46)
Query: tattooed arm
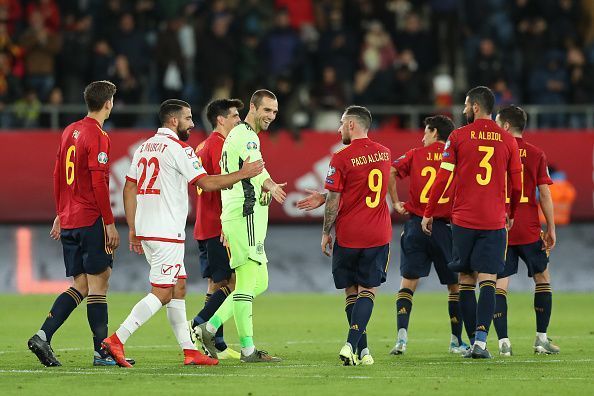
point(330, 214)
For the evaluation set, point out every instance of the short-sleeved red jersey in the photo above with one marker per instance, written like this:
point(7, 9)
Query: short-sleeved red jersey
point(526, 227)
point(422, 164)
point(208, 204)
point(360, 173)
point(480, 155)
point(84, 147)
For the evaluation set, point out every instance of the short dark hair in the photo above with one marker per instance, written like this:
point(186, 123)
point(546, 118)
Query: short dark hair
point(257, 96)
point(482, 96)
point(443, 124)
point(220, 107)
point(515, 116)
point(362, 114)
point(97, 93)
point(171, 107)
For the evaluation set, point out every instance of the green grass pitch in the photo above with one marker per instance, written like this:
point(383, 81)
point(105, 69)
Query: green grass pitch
point(307, 331)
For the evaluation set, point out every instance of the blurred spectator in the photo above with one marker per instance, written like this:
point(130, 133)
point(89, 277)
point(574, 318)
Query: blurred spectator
point(221, 50)
point(76, 58)
point(170, 61)
point(487, 66)
point(444, 28)
point(11, 13)
point(581, 76)
point(250, 74)
point(49, 12)
point(563, 194)
point(55, 100)
point(40, 46)
point(327, 100)
point(300, 11)
point(281, 47)
point(549, 85)
point(378, 52)
point(27, 110)
point(128, 91)
point(292, 117)
point(338, 46)
point(8, 46)
point(10, 89)
point(503, 94)
point(130, 41)
point(408, 87)
point(253, 17)
point(414, 38)
point(103, 58)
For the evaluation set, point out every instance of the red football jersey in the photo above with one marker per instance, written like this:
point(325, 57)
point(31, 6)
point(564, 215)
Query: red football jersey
point(480, 154)
point(360, 172)
point(208, 204)
point(422, 164)
point(526, 227)
point(84, 147)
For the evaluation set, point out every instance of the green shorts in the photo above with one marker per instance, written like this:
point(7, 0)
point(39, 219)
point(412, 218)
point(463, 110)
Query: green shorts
point(246, 237)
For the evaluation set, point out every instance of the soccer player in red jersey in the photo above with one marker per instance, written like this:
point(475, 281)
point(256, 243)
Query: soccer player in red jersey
point(480, 155)
point(418, 250)
point(356, 204)
point(84, 224)
point(525, 239)
point(223, 115)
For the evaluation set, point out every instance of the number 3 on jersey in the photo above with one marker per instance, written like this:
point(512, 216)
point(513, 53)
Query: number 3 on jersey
point(148, 189)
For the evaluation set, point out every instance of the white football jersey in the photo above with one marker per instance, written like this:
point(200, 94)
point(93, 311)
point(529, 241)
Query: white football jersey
point(162, 167)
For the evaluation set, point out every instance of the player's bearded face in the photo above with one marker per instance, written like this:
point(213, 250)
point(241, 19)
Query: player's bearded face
point(468, 111)
point(344, 131)
point(184, 125)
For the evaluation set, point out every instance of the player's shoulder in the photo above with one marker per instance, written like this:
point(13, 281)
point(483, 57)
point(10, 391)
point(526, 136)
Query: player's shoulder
point(530, 147)
point(380, 146)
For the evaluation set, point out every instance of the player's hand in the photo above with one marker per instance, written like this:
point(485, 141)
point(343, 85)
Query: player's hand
point(55, 232)
point(509, 223)
point(113, 238)
point(427, 225)
point(549, 238)
point(251, 169)
point(327, 244)
point(135, 245)
point(312, 201)
point(223, 239)
point(399, 207)
point(278, 193)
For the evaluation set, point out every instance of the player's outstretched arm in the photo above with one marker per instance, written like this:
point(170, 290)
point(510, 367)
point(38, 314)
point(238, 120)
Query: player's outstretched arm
point(330, 214)
point(276, 190)
point(392, 189)
point(546, 204)
point(130, 191)
point(219, 182)
point(313, 201)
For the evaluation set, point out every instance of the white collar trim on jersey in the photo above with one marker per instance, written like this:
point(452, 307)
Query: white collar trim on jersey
point(167, 131)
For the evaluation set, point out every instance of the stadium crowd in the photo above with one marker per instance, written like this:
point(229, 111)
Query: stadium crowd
point(317, 56)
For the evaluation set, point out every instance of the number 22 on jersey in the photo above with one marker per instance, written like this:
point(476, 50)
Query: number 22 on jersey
point(432, 172)
point(148, 189)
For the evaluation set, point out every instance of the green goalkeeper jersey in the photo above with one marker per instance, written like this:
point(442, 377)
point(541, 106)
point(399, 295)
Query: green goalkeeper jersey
point(245, 197)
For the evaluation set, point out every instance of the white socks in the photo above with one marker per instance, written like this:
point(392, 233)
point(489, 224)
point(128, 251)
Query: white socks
point(482, 344)
point(139, 315)
point(247, 351)
point(402, 334)
point(542, 336)
point(176, 313)
point(504, 340)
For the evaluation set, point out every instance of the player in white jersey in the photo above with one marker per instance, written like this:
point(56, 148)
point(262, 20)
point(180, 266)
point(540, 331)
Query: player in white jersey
point(156, 206)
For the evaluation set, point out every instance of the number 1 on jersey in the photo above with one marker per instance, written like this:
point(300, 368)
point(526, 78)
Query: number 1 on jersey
point(374, 186)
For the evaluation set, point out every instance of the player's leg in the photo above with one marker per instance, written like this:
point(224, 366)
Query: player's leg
point(162, 279)
point(462, 246)
point(176, 315)
point(488, 259)
point(440, 253)
point(221, 283)
point(64, 304)
point(404, 303)
point(500, 316)
point(537, 260)
point(371, 267)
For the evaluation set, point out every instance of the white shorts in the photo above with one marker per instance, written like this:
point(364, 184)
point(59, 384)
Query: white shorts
point(167, 262)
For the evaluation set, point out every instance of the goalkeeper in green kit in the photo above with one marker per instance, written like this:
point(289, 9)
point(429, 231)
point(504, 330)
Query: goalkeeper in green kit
point(244, 219)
